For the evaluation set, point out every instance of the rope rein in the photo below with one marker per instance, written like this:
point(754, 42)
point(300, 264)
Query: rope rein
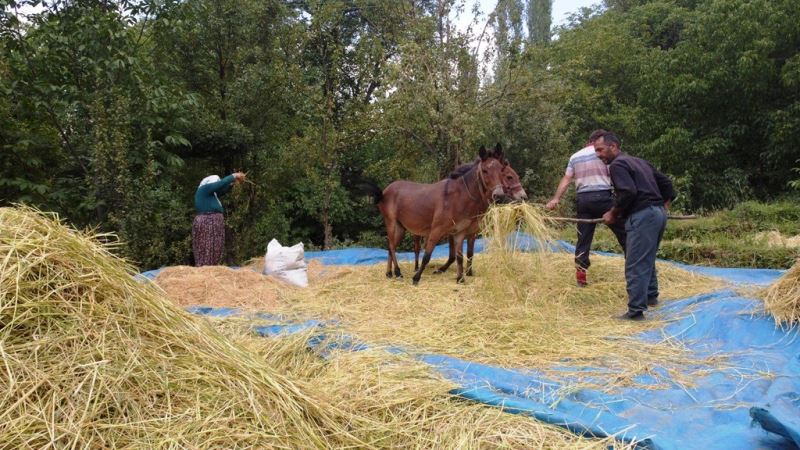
point(481, 191)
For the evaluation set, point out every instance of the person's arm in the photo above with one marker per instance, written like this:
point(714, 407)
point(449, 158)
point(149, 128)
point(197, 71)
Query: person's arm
point(217, 186)
point(563, 185)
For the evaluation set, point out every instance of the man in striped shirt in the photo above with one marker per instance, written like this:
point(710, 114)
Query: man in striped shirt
point(594, 197)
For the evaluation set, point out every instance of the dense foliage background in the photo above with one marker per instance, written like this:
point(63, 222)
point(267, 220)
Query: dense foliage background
point(112, 111)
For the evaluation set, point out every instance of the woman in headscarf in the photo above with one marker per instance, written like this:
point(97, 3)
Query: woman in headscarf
point(208, 228)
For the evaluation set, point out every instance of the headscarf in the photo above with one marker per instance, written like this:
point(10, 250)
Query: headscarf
point(211, 179)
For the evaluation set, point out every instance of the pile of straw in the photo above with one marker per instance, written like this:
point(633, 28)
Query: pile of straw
point(782, 298)
point(246, 288)
point(219, 286)
point(407, 405)
point(519, 310)
point(776, 239)
point(92, 358)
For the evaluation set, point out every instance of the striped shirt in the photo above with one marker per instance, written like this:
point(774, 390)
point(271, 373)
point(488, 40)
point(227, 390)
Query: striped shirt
point(589, 172)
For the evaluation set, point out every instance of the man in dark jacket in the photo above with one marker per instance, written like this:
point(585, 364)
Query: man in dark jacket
point(643, 195)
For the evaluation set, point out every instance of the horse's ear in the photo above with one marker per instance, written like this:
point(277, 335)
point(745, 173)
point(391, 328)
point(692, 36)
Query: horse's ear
point(498, 151)
point(483, 153)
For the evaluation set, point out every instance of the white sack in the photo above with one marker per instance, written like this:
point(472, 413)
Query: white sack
point(286, 263)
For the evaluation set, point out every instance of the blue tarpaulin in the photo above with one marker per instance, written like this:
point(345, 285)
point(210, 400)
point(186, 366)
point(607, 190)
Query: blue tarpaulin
point(753, 402)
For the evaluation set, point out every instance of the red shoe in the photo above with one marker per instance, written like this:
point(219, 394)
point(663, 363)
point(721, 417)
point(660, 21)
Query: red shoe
point(580, 277)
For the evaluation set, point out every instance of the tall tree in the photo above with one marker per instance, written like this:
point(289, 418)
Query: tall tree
point(540, 18)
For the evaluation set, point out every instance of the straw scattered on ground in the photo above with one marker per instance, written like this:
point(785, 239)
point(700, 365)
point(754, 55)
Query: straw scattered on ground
point(777, 239)
point(245, 288)
point(410, 405)
point(520, 310)
point(782, 298)
point(93, 359)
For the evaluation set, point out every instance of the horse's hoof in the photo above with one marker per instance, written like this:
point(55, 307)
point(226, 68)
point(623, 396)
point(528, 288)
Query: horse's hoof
point(399, 276)
point(469, 274)
point(388, 274)
point(460, 280)
point(437, 271)
point(415, 281)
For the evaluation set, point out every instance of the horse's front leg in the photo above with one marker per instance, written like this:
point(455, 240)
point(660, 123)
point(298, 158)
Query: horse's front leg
point(450, 258)
point(470, 252)
point(430, 243)
point(458, 240)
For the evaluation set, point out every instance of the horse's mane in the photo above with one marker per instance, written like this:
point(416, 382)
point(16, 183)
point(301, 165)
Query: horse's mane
point(459, 171)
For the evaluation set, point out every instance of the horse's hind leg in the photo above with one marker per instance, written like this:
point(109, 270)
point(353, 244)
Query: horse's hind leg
point(391, 244)
point(417, 240)
point(395, 236)
point(450, 258)
point(459, 246)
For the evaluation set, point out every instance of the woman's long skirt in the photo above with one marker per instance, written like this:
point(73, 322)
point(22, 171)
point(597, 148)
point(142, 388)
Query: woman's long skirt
point(208, 239)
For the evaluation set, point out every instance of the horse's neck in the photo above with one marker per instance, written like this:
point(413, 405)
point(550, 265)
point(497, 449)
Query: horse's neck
point(472, 184)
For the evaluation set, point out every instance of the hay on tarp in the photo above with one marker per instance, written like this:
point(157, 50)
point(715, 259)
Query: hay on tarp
point(244, 288)
point(409, 405)
point(519, 310)
point(782, 298)
point(94, 359)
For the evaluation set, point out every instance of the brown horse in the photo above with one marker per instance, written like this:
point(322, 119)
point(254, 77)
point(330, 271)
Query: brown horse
point(448, 207)
point(513, 190)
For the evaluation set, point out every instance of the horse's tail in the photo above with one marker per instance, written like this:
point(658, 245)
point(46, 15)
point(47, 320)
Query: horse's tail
point(370, 188)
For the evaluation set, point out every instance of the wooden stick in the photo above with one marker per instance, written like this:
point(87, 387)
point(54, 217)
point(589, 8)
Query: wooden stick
point(575, 220)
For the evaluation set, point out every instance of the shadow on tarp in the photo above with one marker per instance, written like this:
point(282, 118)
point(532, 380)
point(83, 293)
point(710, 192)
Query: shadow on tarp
point(760, 384)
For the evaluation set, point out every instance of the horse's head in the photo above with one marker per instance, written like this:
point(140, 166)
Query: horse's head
point(512, 186)
point(491, 172)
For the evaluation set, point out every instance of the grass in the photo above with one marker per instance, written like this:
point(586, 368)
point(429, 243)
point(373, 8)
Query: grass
point(732, 238)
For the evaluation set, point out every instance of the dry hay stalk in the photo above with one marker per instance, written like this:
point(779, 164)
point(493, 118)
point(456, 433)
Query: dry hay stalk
point(782, 298)
point(774, 238)
point(246, 288)
point(519, 310)
point(219, 286)
point(409, 406)
point(92, 358)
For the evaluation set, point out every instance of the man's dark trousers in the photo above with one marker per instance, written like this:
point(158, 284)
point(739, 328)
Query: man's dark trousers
point(645, 229)
point(592, 205)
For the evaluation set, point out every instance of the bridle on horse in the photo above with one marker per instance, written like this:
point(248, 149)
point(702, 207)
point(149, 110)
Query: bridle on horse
point(481, 189)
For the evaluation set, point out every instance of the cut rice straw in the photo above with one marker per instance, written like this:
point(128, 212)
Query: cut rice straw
point(520, 310)
point(411, 406)
point(782, 298)
point(93, 359)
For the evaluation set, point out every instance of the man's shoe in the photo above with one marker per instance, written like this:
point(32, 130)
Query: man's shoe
point(652, 301)
point(631, 315)
point(580, 277)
